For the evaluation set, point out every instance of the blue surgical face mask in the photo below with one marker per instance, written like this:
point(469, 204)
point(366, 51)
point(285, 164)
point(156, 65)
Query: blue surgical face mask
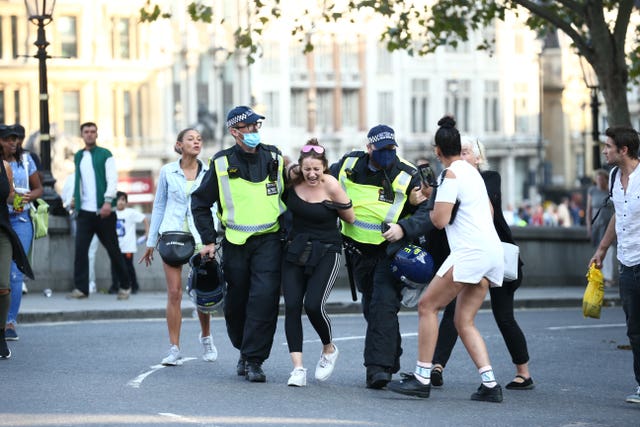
point(251, 140)
point(384, 158)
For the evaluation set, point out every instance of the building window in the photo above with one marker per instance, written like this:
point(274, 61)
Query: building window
point(324, 68)
point(127, 116)
point(271, 57)
point(419, 105)
point(324, 109)
point(70, 111)
point(68, 36)
point(458, 102)
point(272, 101)
point(384, 60)
point(299, 100)
point(349, 57)
point(491, 106)
point(385, 108)
point(1, 36)
point(298, 62)
point(3, 116)
point(521, 109)
point(121, 38)
point(16, 106)
point(350, 108)
point(14, 36)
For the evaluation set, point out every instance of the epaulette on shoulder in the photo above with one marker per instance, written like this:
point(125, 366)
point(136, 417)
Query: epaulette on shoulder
point(222, 153)
point(407, 167)
point(357, 153)
point(271, 148)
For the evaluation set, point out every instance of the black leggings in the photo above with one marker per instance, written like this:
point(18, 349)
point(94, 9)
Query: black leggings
point(311, 291)
point(502, 307)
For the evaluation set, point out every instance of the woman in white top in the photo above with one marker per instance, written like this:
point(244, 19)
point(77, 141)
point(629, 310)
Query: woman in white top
point(460, 205)
point(172, 212)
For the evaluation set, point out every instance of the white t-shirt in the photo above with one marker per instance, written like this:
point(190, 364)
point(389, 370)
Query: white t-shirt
point(476, 251)
point(126, 229)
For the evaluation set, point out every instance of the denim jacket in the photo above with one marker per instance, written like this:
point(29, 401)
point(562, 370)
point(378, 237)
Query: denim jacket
point(171, 204)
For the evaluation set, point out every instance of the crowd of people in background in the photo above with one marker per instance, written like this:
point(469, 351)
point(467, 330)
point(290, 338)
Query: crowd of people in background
point(569, 212)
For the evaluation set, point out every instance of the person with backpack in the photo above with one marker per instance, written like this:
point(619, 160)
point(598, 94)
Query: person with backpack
point(621, 151)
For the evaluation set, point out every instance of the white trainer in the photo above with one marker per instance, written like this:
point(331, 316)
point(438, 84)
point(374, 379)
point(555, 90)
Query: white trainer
point(298, 378)
point(325, 365)
point(93, 288)
point(210, 353)
point(174, 358)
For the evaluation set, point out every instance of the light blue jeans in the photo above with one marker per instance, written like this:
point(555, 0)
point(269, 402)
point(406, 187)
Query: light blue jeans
point(21, 224)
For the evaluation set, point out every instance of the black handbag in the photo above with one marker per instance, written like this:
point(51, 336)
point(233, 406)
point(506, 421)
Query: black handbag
point(176, 247)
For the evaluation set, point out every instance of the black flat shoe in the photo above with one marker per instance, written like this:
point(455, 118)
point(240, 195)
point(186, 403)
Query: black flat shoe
point(527, 384)
point(410, 386)
point(486, 394)
point(436, 377)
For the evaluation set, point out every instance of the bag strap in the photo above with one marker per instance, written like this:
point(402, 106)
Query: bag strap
point(612, 179)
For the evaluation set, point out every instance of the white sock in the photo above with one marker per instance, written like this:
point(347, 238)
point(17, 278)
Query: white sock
point(423, 372)
point(486, 374)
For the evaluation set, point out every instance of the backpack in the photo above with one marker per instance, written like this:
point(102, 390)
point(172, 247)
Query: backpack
point(612, 179)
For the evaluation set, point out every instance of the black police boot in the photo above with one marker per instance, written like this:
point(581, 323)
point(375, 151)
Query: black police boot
point(255, 374)
point(241, 367)
point(377, 377)
point(486, 394)
point(410, 386)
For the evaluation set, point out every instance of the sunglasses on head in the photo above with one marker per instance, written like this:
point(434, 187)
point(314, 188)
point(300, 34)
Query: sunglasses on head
point(319, 149)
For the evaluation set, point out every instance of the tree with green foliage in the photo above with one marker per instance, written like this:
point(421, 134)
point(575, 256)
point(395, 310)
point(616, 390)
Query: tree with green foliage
point(599, 30)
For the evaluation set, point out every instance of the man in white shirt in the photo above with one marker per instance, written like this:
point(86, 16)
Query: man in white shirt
point(621, 150)
point(94, 194)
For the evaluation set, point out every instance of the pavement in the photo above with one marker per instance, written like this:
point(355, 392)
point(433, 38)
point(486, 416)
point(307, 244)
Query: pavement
point(37, 308)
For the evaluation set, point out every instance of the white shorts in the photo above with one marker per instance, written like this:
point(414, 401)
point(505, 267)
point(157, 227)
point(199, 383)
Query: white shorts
point(471, 265)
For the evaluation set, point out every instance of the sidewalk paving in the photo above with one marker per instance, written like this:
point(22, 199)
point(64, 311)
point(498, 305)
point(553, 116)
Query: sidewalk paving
point(37, 308)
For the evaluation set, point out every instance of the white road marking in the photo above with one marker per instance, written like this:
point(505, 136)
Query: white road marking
point(137, 381)
point(356, 337)
point(600, 325)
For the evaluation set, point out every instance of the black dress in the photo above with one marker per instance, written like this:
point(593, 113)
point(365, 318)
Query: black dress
point(20, 258)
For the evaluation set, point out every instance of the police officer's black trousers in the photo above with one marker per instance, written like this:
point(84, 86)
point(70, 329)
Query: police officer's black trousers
point(252, 273)
point(380, 305)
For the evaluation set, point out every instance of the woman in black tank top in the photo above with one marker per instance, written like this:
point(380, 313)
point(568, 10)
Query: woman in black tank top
point(312, 258)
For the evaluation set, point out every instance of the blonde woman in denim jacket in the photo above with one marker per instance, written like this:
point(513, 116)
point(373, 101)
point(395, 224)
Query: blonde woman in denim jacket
point(172, 212)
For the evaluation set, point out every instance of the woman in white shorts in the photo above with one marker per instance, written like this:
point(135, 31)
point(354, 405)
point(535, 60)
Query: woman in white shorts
point(461, 206)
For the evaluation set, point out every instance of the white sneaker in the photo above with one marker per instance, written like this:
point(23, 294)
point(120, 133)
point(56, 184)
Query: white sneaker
point(25, 290)
point(325, 365)
point(173, 358)
point(298, 378)
point(635, 397)
point(210, 351)
point(92, 287)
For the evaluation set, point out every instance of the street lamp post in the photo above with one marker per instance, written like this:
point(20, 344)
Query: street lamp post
point(591, 81)
point(40, 13)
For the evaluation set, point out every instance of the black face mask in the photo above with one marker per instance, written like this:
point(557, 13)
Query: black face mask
point(384, 158)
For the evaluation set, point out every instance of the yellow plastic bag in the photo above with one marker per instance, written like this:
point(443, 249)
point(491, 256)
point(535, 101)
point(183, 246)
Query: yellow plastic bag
point(40, 218)
point(594, 293)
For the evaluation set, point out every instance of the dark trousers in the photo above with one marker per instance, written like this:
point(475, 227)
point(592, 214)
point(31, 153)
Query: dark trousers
point(131, 273)
point(629, 283)
point(88, 224)
point(380, 305)
point(502, 308)
point(252, 273)
point(311, 291)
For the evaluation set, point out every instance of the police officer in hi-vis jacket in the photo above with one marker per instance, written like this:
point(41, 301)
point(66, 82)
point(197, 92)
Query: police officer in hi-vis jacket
point(246, 182)
point(380, 184)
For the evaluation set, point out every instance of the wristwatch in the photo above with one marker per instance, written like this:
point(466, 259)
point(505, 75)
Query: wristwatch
point(108, 200)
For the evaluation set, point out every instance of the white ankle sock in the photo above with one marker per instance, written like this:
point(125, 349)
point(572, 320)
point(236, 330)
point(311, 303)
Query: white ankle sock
point(486, 374)
point(423, 372)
